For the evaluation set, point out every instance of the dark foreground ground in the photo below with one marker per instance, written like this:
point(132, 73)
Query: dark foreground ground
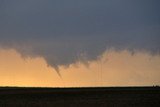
point(80, 97)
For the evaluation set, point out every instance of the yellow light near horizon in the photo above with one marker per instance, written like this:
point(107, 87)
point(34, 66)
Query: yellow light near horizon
point(17, 71)
point(111, 69)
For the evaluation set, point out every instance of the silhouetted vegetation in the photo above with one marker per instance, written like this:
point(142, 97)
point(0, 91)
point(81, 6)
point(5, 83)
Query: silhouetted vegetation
point(80, 97)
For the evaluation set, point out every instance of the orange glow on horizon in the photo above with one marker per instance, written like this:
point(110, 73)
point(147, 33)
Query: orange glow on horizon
point(112, 69)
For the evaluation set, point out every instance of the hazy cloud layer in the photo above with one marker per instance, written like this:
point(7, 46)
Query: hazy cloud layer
point(65, 31)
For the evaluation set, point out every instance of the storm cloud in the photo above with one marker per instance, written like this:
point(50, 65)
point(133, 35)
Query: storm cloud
point(66, 31)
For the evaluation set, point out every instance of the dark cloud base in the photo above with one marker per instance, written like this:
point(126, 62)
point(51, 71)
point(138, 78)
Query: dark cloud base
point(64, 32)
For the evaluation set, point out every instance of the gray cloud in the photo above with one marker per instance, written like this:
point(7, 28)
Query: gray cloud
point(65, 31)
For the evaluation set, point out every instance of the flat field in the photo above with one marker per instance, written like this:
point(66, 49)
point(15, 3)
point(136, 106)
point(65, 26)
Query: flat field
point(80, 97)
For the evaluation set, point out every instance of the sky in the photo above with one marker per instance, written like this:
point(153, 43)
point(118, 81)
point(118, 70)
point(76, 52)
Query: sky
point(76, 43)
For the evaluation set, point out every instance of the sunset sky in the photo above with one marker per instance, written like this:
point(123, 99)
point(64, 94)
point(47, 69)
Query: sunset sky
point(79, 43)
